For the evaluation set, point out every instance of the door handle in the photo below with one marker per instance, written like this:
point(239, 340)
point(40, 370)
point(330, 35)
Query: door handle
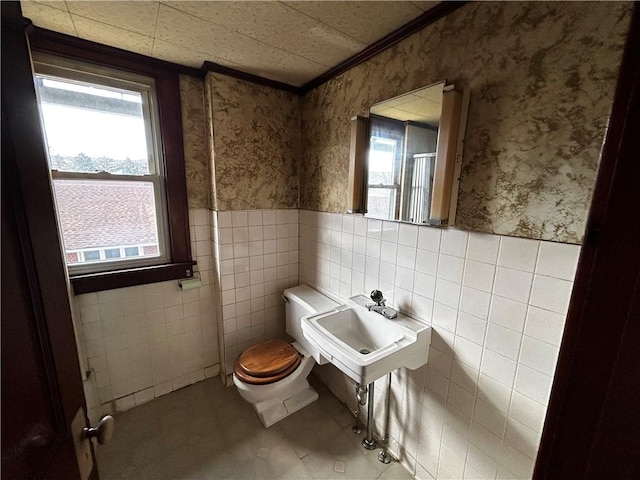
point(103, 432)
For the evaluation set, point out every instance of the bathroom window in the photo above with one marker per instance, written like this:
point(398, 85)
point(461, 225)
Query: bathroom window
point(100, 127)
point(109, 168)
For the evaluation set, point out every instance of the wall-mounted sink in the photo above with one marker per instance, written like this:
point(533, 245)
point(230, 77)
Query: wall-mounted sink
point(365, 345)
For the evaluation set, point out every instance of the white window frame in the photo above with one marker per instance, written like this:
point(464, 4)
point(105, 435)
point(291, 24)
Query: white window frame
point(54, 67)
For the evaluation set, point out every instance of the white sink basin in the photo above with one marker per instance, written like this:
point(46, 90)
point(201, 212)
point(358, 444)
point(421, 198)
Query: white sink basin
point(365, 345)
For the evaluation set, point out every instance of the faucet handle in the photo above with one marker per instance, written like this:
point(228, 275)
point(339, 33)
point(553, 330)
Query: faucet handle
point(390, 313)
point(376, 296)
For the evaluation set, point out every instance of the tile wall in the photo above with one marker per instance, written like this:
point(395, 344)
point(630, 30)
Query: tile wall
point(148, 340)
point(497, 306)
point(257, 256)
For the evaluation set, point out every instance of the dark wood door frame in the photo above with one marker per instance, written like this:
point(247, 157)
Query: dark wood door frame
point(592, 426)
point(41, 383)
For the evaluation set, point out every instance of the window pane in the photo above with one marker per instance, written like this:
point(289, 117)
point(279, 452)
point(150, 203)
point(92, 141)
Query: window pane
point(382, 157)
point(91, 255)
point(112, 253)
point(90, 128)
point(100, 215)
point(150, 250)
point(381, 202)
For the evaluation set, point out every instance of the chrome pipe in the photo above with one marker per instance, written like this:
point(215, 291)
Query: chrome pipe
point(384, 455)
point(360, 401)
point(369, 442)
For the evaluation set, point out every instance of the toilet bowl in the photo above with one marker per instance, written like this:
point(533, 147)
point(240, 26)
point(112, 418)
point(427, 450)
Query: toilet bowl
point(272, 375)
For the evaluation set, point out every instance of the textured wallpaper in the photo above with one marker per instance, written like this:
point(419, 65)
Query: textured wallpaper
point(256, 144)
point(196, 155)
point(542, 77)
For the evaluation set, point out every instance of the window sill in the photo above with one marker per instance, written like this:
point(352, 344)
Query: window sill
point(96, 282)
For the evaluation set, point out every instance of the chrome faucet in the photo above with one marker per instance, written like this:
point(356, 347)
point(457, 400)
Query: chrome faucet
point(379, 305)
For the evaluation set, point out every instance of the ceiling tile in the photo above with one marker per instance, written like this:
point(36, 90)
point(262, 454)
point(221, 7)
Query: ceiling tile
point(191, 57)
point(277, 25)
point(50, 18)
point(58, 4)
point(223, 45)
point(276, 64)
point(424, 6)
point(139, 16)
point(116, 37)
point(424, 107)
point(187, 31)
point(297, 71)
point(421, 105)
point(424, 117)
point(364, 21)
point(432, 92)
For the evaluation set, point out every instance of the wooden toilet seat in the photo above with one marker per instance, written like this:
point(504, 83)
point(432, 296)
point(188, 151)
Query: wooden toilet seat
point(267, 362)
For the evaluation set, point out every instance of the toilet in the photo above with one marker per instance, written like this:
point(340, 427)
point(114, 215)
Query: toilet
point(272, 375)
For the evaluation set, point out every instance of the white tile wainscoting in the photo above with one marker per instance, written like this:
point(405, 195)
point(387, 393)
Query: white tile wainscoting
point(256, 253)
point(497, 306)
point(145, 341)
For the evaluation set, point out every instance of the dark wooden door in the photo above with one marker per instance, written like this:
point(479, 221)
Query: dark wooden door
point(41, 384)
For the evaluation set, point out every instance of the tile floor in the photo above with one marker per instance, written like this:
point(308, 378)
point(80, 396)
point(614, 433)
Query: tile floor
point(206, 431)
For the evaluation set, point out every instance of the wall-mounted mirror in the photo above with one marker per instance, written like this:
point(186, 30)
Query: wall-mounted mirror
point(406, 156)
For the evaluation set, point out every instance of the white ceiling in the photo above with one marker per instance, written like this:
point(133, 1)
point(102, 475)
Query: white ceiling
point(292, 42)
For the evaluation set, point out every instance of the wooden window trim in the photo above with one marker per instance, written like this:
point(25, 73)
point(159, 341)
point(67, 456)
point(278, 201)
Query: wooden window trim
point(167, 78)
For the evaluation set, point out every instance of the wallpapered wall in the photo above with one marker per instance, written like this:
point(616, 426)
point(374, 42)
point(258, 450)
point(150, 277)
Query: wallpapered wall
point(256, 144)
point(196, 156)
point(542, 77)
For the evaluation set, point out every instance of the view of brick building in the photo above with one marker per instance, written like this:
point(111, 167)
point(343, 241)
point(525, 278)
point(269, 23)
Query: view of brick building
point(103, 220)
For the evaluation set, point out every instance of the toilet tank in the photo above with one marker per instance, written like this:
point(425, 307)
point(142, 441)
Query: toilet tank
point(300, 301)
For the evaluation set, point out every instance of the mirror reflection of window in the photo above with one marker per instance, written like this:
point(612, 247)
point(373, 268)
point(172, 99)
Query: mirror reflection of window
point(402, 154)
point(386, 150)
point(401, 167)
